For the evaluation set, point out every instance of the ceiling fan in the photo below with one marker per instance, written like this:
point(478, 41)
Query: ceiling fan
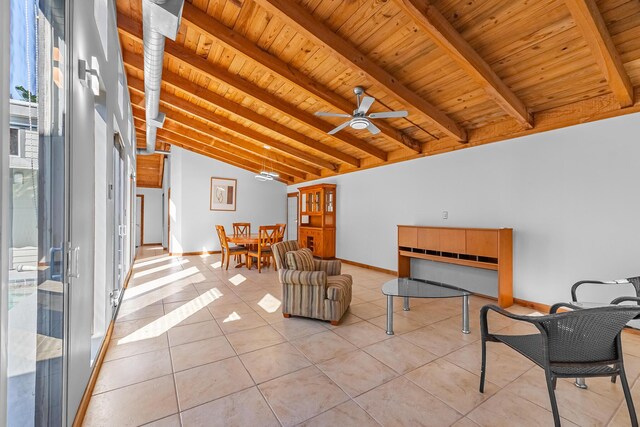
point(359, 119)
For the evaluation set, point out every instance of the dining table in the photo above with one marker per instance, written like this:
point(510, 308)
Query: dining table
point(246, 240)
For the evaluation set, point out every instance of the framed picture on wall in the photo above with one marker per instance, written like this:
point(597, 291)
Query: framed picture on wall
point(222, 195)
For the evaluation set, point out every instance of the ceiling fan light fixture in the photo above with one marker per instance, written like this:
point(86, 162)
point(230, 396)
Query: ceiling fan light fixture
point(359, 123)
point(260, 177)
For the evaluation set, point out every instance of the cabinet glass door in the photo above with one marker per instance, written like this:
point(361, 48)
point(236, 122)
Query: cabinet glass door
point(317, 199)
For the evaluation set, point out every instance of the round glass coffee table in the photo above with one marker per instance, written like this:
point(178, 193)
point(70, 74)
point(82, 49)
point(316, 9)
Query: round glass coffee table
point(418, 288)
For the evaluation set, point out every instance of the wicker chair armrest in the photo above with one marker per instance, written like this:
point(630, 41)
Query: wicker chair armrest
point(331, 267)
point(576, 285)
point(626, 299)
point(484, 312)
point(555, 307)
point(303, 278)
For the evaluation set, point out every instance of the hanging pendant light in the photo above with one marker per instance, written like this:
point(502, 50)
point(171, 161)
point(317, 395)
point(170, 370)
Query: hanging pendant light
point(266, 175)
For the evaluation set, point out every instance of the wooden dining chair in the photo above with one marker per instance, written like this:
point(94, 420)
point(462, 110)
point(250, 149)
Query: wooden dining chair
point(268, 235)
point(227, 251)
point(281, 231)
point(241, 229)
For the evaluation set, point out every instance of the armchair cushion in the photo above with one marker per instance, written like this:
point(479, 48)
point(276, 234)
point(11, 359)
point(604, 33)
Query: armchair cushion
point(303, 278)
point(339, 287)
point(332, 267)
point(301, 260)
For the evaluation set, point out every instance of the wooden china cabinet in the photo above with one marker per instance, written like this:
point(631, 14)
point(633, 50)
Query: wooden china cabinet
point(317, 229)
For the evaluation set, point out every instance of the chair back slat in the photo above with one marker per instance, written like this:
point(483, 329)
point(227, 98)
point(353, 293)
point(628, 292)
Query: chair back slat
point(589, 335)
point(280, 250)
point(242, 229)
point(281, 230)
point(268, 235)
point(222, 236)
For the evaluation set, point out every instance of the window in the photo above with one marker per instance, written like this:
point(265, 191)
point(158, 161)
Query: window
point(14, 142)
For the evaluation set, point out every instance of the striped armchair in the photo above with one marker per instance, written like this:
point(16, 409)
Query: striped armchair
point(321, 294)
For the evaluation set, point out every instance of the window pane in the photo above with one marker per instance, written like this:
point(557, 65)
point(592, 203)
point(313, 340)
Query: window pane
point(36, 212)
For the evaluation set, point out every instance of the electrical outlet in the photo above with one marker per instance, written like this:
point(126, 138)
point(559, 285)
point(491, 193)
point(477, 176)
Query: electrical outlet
point(445, 214)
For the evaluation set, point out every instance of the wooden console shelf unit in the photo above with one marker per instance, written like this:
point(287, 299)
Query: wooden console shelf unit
point(488, 248)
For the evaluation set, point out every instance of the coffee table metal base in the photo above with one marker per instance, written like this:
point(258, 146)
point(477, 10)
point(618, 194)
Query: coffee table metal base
point(405, 307)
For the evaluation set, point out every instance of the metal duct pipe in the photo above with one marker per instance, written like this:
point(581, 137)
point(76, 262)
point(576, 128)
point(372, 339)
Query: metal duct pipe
point(160, 19)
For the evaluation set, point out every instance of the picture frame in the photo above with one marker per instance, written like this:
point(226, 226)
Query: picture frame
point(223, 194)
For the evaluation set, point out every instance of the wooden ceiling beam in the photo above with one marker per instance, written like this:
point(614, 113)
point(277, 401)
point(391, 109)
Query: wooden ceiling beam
point(594, 30)
point(191, 108)
point(430, 20)
point(189, 124)
point(300, 19)
point(202, 66)
point(201, 148)
point(211, 27)
point(183, 135)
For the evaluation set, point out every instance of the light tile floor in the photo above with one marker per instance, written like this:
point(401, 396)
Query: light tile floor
point(197, 345)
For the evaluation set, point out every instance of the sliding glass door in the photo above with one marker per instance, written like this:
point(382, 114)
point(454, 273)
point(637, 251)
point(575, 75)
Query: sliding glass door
point(35, 155)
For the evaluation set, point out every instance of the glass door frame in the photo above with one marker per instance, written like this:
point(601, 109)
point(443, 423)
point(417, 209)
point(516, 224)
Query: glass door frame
point(4, 201)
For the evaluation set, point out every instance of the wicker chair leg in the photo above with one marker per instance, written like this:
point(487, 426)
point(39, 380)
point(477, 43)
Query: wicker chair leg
point(552, 398)
point(627, 396)
point(483, 367)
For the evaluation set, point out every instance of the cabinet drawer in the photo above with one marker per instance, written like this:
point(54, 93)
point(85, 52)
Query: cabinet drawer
point(408, 237)
point(452, 241)
point(429, 239)
point(482, 243)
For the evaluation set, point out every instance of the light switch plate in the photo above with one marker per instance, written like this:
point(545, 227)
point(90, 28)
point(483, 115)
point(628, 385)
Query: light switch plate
point(445, 214)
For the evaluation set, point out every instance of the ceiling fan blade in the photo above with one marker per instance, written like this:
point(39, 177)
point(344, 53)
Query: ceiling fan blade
point(339, 128)
point(373, 128)
point(326, 114)
point(388, 114)
point(365, 104)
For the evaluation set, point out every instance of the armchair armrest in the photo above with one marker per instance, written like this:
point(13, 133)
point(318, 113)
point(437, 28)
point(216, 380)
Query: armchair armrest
point(624, 299)
point(484, 312)
point(575, 286)
point(302, 278)
point(331, 267)
point(555, 307)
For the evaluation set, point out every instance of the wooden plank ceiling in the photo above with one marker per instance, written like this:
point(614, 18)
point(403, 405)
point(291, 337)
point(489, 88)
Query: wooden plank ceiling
point(243, 79)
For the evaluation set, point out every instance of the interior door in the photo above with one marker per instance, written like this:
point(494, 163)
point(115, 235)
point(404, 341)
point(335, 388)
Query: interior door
point(120, 225)
point(292, 216)
point(139, 213)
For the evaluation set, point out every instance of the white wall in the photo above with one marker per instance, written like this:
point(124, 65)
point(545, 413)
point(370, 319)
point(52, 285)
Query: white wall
point(571, 196)
point(166, 183)
point(193, 224)
point(152, 214)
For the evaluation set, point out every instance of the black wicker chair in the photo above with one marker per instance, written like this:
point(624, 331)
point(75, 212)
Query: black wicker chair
point(634, 281)
point(581, 343)
point(620, 283)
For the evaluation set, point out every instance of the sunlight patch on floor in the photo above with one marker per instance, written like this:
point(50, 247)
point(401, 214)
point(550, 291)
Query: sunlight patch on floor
point(156, 269)
point(168, 321)
point(139, 265)
point(269, 303)
point(232, 317)
point(138, 290)
point(237, 279)
point(216, 265)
